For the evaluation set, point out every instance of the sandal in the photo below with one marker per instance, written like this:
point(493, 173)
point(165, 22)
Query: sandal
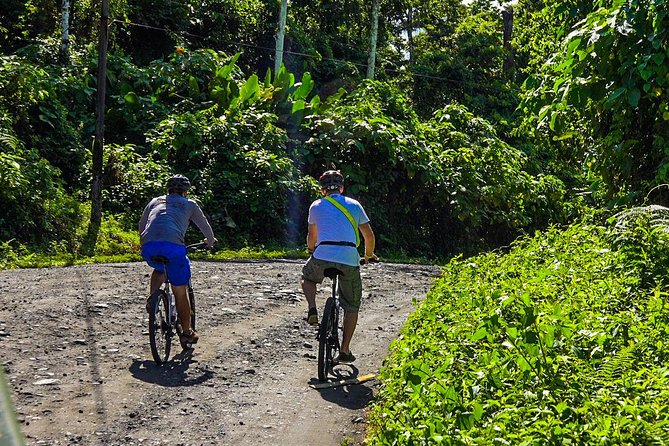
point(312, 316)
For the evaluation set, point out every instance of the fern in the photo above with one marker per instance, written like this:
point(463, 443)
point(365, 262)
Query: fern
point(617, 366)
point(8, 142)
point(655, 215)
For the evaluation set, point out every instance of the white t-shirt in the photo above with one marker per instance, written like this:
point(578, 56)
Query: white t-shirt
point(333, 226)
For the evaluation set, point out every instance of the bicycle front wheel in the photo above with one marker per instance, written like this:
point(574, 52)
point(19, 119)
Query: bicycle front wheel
point(328, 339)
point(160, 332)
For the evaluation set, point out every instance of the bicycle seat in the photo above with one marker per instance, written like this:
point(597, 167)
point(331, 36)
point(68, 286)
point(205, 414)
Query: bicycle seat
point(332, 273)
point(160, 259)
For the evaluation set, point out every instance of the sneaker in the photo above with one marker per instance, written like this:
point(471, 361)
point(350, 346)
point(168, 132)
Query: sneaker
point(344, 358)
point(312, 316)
point(189, 337)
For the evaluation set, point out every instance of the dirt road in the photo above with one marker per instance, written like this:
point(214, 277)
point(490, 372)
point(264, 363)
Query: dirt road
point(74, 344)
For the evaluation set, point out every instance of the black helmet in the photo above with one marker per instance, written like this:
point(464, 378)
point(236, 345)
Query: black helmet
point(178, 184)
point(331, 180)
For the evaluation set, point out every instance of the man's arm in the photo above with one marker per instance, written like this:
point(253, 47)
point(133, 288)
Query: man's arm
point(144, 219)
point(312, 236)
point(203, 225)
point(370, 241)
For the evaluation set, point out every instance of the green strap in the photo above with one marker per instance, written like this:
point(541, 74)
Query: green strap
point(348, 215)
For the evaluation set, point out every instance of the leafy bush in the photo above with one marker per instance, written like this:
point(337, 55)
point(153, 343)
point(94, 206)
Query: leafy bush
point(131, 180)
point(609, 80)
point(421, 180)
point(241, 169)
point(559, 341)
point(47, 111)
point(36, 209)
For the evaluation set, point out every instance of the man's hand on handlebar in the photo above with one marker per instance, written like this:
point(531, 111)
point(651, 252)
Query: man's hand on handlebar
point(210, 243)
point(369, 259)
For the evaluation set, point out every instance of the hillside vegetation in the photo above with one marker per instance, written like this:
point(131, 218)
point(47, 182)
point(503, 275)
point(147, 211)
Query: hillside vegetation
point(559, 341)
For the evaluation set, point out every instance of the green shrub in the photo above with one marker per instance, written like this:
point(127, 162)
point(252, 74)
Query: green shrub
point(241, 169)
point(420, 180)
point(36, 209)
point(557, 342)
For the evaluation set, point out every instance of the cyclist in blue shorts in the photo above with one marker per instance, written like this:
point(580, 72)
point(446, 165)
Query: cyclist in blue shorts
point(162, 230)
point(332, 242)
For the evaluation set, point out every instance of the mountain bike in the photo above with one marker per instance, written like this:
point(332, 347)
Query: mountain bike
point(163, 321)
point(331, 327)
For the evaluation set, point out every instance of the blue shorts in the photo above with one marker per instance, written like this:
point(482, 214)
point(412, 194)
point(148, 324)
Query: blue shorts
point(178, 267)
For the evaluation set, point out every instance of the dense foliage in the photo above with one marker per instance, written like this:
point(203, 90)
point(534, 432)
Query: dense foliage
point(559, 341)
point(607, 88)
point(422, 179)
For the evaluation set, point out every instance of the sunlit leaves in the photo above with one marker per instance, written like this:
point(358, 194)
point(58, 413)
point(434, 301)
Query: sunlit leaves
point(576, 356)
point(610, 78)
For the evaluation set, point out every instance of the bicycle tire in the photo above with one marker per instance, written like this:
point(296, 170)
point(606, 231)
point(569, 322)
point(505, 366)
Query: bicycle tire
point(328, 339)
point(160, 333)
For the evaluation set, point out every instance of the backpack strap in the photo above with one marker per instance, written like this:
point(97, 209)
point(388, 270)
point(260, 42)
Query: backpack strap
point(348, 215)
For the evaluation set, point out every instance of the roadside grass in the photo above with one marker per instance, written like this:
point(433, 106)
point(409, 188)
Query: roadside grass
point(560, 341)
point(27, 259)
point(117, 245)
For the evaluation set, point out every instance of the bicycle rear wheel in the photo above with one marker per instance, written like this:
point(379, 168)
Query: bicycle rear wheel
point(160, 332)
point(328, 339)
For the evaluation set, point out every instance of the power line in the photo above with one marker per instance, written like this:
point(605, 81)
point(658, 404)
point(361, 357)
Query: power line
point(295, 53)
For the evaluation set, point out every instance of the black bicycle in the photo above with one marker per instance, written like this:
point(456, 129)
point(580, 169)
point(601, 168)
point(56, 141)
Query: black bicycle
point(331, 328)
point(163, 321)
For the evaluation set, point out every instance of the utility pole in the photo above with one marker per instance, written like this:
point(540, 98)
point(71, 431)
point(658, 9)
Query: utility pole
point(371, 61)
point(98, 143)
point(278, 56)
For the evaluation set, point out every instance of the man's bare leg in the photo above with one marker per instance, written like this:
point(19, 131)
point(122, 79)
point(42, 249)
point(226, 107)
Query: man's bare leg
point(183, 306)
point(350, 322)
point(157, 279)
point(309, 289)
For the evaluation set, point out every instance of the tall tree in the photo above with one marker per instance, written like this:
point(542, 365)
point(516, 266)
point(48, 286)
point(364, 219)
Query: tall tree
point(65, 38)
point(374, 35)
point(98, 145)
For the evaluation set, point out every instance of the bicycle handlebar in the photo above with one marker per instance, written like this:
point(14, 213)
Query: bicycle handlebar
point(196, 246)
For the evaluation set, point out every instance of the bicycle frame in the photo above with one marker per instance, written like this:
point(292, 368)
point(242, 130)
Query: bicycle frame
point(172, 317)
point(329, 331)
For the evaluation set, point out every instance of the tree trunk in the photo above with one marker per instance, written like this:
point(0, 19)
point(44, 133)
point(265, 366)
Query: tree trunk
point(410, 32)
point(507, 17)
point(98, 144)
point(65, 41)
point(371, 61)
point(280, 35)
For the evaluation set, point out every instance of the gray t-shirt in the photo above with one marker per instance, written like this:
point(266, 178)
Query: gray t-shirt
point(166, 219)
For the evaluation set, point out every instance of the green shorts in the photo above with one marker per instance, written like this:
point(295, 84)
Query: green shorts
point(350, 283)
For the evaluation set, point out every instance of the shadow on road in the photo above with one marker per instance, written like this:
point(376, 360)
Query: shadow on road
point(173, 373)
point(355, 396)
point(351, 397)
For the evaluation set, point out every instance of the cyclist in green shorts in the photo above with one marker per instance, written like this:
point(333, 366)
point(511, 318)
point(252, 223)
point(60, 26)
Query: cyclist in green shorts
point(332, 242)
